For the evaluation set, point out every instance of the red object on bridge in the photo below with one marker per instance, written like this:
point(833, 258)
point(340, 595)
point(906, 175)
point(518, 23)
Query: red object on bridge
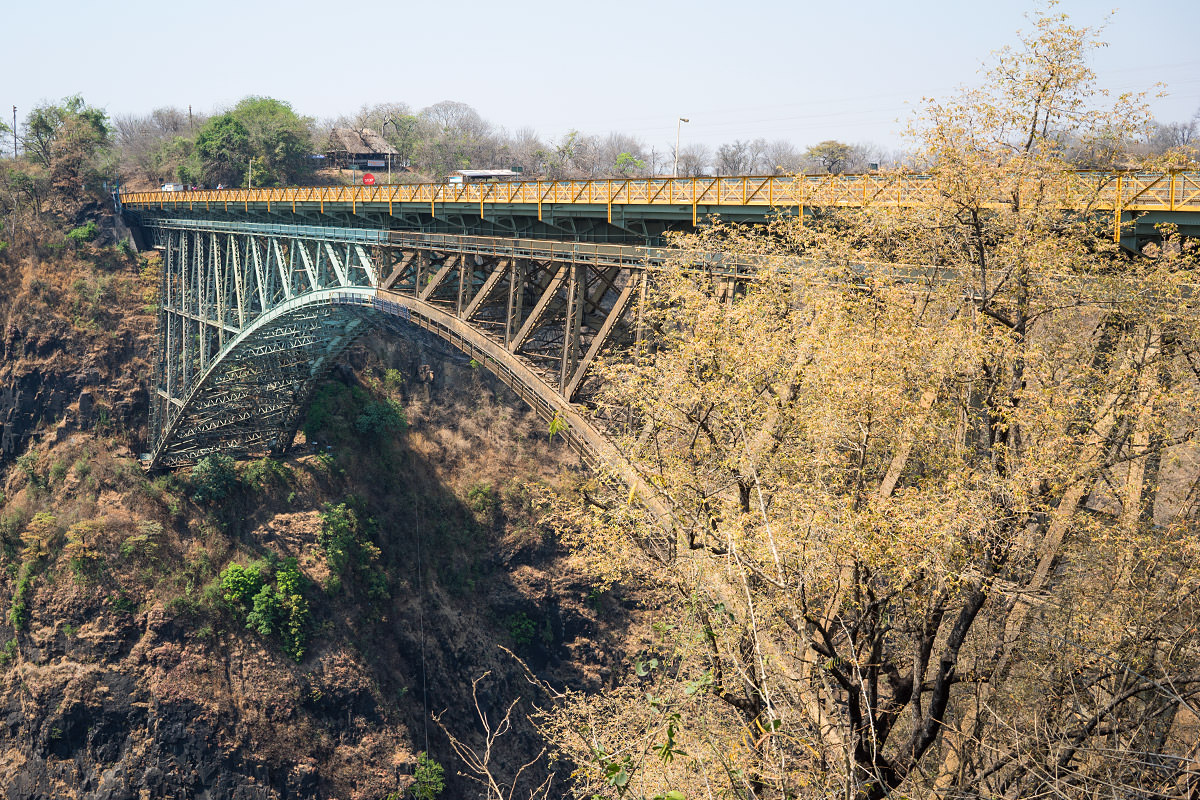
point(368, 179)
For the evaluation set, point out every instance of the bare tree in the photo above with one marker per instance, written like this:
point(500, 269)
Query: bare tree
point(695, 160)
point(526, 150)
point(151, 148)
point(616, 145)
point(377, 116)
point(734, 158)
point(481, 761)
point(1182, 136)
point(454, 136)
point(781, 157)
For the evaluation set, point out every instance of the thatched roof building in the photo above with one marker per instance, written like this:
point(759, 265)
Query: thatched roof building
point(361, 149)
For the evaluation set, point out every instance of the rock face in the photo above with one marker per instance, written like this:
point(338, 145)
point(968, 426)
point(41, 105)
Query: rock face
point(65, 401)
point(74, 338)
point(132, 706)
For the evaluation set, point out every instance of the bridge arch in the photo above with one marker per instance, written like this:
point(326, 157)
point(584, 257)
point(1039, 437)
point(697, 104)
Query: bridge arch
point(250, 321)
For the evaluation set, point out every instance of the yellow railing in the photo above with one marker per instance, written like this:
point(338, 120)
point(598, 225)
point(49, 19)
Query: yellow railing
point(1127, 191)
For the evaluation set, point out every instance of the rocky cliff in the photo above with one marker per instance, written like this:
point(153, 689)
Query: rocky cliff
point(126, 669)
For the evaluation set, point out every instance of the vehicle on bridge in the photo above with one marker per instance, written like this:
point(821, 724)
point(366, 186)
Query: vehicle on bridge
point(483, 175)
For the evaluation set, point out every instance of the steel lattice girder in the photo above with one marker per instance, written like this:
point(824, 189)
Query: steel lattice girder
point(252, 314)
point(251, 319)
point(251, 398)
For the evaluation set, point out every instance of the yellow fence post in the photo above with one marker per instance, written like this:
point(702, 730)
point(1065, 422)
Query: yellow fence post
point(1117, 212)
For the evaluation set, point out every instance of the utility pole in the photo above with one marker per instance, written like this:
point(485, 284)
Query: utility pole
point(395, 130)
point(14, 133)
point(250, 174)
point(191, 127)
point(675, 171)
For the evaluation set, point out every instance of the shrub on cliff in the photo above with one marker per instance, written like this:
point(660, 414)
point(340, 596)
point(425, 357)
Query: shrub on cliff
point(213, 478)
point(270, 609)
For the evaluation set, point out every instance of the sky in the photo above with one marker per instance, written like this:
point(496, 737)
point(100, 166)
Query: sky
point(736, 69)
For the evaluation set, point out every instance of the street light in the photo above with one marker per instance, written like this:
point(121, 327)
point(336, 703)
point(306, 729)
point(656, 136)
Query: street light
point(675, 171)
point(396, 128)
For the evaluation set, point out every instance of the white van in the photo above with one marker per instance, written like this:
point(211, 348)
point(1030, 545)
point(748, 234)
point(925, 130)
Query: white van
point(172, 187)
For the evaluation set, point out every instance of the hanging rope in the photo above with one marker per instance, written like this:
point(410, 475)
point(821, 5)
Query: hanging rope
point(421, 624)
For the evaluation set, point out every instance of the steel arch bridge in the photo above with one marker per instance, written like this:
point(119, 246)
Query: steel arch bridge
point(256, 305)
point(253, 315)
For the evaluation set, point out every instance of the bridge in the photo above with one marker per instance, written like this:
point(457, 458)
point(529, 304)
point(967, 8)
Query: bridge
point(642, 209)
point(264, 289)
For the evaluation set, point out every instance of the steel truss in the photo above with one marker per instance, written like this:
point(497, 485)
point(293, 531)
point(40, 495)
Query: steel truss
point(252, 316)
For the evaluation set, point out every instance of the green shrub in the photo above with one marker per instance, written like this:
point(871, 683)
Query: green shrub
point(521, 628)
point(338, 534)
point(345, 536)
point(393, 380)
point(84, 233)
point(18, 610)
point(265, 472)
point(240, 584)
point(9, 654)
point(270, 609)
point(327, 462)
point(378, 585)
point(294, 611)
point(213, 478)
point(264, 616)
point(339, 411)
point(428, 778)
point(87, 566)
point(123, 602)
point(484, 501)
point(324, 409)
point(167, 490)
point(380, 418)
point(28, 464)
point(184, 605)
point(145, 543)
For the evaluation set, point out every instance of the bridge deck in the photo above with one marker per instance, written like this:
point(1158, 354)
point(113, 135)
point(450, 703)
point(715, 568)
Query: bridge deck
point(1163, 191)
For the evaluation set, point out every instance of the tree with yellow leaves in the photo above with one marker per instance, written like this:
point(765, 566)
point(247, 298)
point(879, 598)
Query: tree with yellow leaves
point(931, 484)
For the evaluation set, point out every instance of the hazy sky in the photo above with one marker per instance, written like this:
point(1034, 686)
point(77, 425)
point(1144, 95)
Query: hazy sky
point(738, 69)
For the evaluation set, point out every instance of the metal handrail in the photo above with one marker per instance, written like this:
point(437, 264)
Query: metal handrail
point(1127, 191)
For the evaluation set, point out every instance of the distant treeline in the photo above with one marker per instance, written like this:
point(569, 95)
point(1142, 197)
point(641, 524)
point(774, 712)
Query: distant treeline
point(264, 141)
